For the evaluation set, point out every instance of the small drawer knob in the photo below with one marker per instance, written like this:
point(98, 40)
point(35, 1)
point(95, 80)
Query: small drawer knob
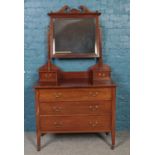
point(99, 74)
point(103, 74)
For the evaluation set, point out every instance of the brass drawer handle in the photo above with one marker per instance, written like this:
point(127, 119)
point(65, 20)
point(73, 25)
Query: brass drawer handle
point(93, 123)
point(93, 108)
point(58, 124)
point(93, 93)
point(57, 95)
point(57, 109)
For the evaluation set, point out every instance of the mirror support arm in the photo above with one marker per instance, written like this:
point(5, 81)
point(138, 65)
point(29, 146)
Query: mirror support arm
point(50, 34)
point(100, 47)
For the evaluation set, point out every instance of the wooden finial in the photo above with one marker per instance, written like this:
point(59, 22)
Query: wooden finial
point(67, 10)
point(84, 9)
point(64, 9)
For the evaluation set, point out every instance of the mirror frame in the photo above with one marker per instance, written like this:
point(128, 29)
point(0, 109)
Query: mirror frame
point(66, 12)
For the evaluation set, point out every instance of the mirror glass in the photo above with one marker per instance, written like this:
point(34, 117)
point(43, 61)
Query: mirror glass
point(74, 36)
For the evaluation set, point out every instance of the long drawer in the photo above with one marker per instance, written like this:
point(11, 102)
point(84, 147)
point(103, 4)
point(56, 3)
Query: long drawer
point(82, 94)
point(75, 123)
point(77, 107)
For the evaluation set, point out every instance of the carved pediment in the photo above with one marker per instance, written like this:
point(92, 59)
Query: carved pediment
point(81, 9)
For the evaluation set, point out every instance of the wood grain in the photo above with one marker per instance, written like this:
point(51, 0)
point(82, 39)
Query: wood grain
point(75, 108)
point(48, 95)
point(69, 102)
point(75, 123)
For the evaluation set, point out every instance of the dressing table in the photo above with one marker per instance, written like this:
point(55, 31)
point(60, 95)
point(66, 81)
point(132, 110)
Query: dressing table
point(79, 101)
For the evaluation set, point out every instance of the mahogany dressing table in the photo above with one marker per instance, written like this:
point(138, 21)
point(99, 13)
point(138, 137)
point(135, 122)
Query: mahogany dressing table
point(75, 102)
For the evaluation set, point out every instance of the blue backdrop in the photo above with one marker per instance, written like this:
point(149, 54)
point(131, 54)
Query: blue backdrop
point(116, 50)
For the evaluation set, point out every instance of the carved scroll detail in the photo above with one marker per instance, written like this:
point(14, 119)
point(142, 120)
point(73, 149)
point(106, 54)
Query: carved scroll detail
point(67, 9)
point(64, 9)
point(84, 9)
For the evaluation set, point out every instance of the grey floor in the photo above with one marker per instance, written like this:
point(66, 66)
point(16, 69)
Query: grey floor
point(77, 144)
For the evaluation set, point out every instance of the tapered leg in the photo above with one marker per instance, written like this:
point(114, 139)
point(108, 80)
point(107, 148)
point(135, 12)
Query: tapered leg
point(38, 141)
point(113, 117)
point(38, 134)
point(113, 139)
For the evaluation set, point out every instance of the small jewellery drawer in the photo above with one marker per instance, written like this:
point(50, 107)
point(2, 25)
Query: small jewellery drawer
point(48, 76)
point(101, 75)
point(82, 94)
point(75, 123)
point(77, 107)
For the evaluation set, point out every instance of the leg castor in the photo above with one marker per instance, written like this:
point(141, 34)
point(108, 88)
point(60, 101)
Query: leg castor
point(38, 147)
point(112, 147)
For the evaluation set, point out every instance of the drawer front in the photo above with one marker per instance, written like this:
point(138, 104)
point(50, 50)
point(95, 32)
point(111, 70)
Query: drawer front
point(83, 94)
point(75, 123)
point(77, 107)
